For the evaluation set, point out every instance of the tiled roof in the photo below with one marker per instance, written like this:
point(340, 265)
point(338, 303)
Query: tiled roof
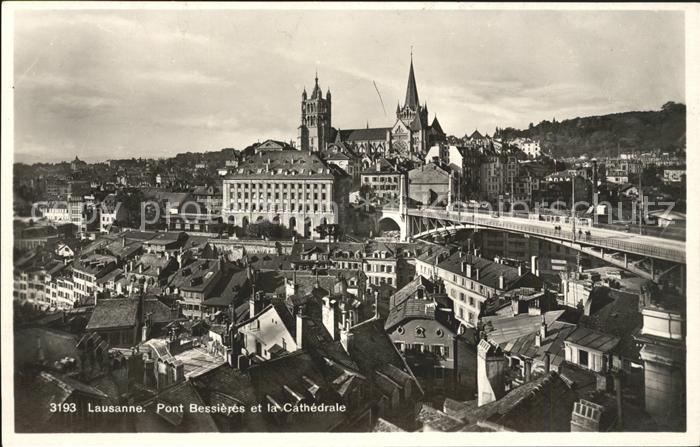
point(114, 313)
point(160, 312)
point(541, 405)
point(438, 420)
point(372, 349)
point(411, 309)
point(503, 329)
point(151, 262)
point(588, 338)
point(367, 134)
point(489, 271)
point(93, 264)
point(196, 275)
point(616, 313)
point(273, 165)
point(55, 345)
point(183, 393)
point(554, 344)
point(384, 426)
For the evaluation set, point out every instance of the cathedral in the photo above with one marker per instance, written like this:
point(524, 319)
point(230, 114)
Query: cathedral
point(408, 139)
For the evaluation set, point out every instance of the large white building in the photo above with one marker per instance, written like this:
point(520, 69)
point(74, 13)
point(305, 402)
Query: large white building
point(289, 187)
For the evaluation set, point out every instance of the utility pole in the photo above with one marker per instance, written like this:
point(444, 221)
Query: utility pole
point(573, 206)
point(512, 193)
point(641, 204)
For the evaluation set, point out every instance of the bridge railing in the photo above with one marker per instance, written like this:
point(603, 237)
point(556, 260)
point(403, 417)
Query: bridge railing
point(564, 234)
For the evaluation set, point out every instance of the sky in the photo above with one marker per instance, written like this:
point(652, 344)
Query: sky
point(101, 84)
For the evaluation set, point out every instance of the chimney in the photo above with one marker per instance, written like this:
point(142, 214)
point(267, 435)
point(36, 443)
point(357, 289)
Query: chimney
point(521, 269)
point(617, 377)
point(123, 241)
point(376, 304)
point(501, 282)
point(346, 338)
point(528, 370)
point(140, 268)
point(476, 274)
point(491, 367)
point(533, 266)
point(254, 303)
point(243, 362)
point(329, 318)
point(300, 327)
point(546, 362)
point(543, 328)
point(515, 305)
point(149, 380)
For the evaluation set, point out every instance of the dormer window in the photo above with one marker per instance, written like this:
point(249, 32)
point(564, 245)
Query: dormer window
point(420, 332)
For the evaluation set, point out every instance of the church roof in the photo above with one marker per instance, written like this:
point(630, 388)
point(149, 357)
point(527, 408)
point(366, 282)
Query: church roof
point(369, 134)
point(411, 90)
point(476, 136)
point(436, 125)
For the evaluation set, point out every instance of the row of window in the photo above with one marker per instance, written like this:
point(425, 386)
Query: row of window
point(275, 208)
point(277, 196)
point(381, 179)
point(441, 350)
point(272, 185)
point(377, 281)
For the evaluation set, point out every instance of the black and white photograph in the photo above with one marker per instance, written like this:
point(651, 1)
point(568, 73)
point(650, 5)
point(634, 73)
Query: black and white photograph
point(366, 220)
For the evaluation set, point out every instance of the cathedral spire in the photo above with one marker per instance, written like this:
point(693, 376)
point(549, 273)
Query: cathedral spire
point(411, 89)
point(317, 93)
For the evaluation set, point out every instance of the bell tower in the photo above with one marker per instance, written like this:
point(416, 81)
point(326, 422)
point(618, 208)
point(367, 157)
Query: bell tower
point(315, 128)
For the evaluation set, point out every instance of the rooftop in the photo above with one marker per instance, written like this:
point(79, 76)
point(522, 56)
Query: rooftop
point(114, 313)
point(589, 338)
point(273, 165)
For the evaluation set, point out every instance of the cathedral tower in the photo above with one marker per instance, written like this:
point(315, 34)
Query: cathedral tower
point(315, 128)
point(411, 106)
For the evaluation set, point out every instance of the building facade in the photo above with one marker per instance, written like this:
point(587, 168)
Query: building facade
point(293, 188)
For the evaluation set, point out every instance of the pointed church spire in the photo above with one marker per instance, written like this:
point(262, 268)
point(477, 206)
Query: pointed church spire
point(317, 93)
point(411, 90)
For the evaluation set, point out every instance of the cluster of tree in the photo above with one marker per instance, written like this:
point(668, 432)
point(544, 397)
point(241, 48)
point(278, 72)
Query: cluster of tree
point(268, 230)
point(605, 135)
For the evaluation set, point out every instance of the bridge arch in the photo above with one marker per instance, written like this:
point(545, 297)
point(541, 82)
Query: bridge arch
point(390, 223)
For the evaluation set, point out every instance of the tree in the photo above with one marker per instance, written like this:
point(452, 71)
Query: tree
point(267, 229)
point(330, 231)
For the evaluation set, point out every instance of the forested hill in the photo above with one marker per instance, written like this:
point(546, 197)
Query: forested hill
point(600, 135)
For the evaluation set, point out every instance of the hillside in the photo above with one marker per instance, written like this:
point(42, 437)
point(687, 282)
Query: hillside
point(600, 135)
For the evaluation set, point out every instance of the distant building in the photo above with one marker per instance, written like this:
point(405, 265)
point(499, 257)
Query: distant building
point(383, 184)
point(422, 326)
point(110, 211)
point(87, 269)
point(116, 321)
point(672, 176)
point(470, 280)
point(431, 185)
point(57, 212)
point(194, 283)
